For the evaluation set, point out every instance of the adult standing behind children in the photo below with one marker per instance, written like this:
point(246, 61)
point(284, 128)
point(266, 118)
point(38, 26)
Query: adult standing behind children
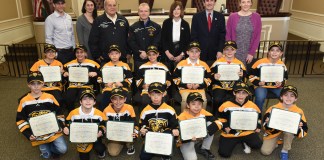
point(244, 27)
point(84, 23)
point(59, 32)
point(108, 29)
point(208, 28)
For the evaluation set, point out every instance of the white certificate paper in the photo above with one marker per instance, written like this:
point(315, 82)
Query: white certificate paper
point(195, 127)
point(51, 73)
point(229, 72)
point(78, 74)
point(243, 120)
point(154, 75)
point(192, 75)
point(83, 132)
point(120, 131)
point(112, 74)
point(272, 73)
point(284, 120)
point(44, 124)
point(158, 143)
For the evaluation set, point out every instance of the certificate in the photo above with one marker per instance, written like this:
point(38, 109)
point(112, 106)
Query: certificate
point(120, 131)
point(78, 74)
point(112, 74)
point(229, 72)
point(51, 73)
point(83, 132)
point(272, 73)
point(44, 124)
point(195, 127)
point(158, 143)
point(192, 75)
point(284, 120)
point(243, 120)
point(154, 75)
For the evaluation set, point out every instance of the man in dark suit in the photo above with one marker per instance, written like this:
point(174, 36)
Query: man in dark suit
point(208, 28)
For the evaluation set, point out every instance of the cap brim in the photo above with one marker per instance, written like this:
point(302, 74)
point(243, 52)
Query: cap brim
point(152, 51)
point(49, 49)
point(194, 47)
point(36, 80)
point(114, 50)
point(229, 47)
point(90, 95)
point(156, 90)
point(243, 90)
point(119, 95)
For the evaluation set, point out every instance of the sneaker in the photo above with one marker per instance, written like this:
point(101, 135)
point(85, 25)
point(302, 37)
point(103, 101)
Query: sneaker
point(131, 150)
point(284, 156)
point(246, 148)
point(206, 153)
point(102, 156)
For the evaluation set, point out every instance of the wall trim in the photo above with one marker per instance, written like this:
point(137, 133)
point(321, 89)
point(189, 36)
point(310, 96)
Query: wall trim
point(305, 12)
point(307, 21)
point(17, 33)
point(306, 29)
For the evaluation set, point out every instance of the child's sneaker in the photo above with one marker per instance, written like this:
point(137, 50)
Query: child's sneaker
point(284, 156)
point(102, 156)
point(131, 150)
point(246, 148)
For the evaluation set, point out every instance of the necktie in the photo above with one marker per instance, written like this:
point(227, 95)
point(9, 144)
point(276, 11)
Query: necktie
point(209, 22)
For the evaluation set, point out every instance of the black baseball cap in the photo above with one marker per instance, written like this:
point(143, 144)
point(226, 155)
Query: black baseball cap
point(231, 44)
point(118, 92)
point(152, 49)
point(89, 93)
point(57, 1)
point(156, 86)
point(289, 88)
point(48, 46)
point(35, 76)
point(193, 96)
point(194, 44)
point(113, 48)
point(241, 86)
point(276, 44)
point(80, 46)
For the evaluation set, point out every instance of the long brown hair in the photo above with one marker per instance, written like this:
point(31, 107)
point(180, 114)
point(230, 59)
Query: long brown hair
point(94, 13)
point(174, 5)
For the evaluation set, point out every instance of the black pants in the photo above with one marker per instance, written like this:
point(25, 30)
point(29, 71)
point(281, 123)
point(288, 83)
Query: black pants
point(71, 96)
point(99, 148)
point(65, 55)
point(227, 145)
point(219, 97)
point(57, 95)
point(103, 100)
point(143, 100)
point(148, 156)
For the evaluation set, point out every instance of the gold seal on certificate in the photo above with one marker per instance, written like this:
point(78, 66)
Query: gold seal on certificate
point(244, 120)
point(154, 75)
point(83, 132)
point(272, 73)
point(229, 72)
point(78, 74)
point(192, 75)
point(112, 74)
point(120, 131)
point(51, 73)
point(284, 120)
point(190, 128)
point(158, 143)
point(43, 124)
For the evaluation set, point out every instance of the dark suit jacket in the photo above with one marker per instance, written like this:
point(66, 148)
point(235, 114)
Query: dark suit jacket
point(166, 36)
point(210, 42)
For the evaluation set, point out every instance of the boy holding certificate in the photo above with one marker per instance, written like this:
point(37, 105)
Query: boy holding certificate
point(263, 86)
point(84, 75)
point(143, 78)
point(54, 88)
point(86, 113)
point(157, 116)
point(194, 110)
point(36, 104)
point(117, 110)
point(186, 88)
point(114, 55)
point(221, 85)
point(288, 98)
point(231, 137)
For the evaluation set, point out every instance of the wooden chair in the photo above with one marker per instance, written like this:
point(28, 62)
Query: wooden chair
point(269, 7)
point(199, 4)
point(232, 6)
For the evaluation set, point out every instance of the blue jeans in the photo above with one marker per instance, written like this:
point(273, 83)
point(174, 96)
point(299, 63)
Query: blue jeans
point(261, 95)
point(56, 147)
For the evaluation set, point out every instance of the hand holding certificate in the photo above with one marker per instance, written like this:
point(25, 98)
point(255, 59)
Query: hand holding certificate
point(154, 75)
point(51, 73)
point(44, 124)
point(83, 132)
point(272, 73)
point(284, 120)
point(192, 75)
point(243, 120)
point(195, 127)
point(229, 72)
point(78, 74)
point(112, 74)
point(120, 131)
point(158, 143)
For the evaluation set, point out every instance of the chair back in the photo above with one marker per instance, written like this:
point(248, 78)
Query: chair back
point(199, 4)
point(269, 7)
point(232, 6)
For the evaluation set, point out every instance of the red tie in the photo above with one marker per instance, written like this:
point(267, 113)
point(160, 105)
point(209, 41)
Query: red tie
point(209, 22)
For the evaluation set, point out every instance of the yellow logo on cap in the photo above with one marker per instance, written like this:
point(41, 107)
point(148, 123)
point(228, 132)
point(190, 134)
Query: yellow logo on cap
point(34, 74)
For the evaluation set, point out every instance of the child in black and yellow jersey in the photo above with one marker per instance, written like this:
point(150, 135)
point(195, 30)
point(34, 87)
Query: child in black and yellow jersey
point(288, 98)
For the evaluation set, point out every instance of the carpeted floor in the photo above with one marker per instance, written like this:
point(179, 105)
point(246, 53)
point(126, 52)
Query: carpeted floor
point(14, 146)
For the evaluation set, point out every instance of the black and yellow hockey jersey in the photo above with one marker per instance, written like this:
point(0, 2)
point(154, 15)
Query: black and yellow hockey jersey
point(271, 133)
point(95, 116)
point(225, 111)
point(226, 85)
point(30, 107)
